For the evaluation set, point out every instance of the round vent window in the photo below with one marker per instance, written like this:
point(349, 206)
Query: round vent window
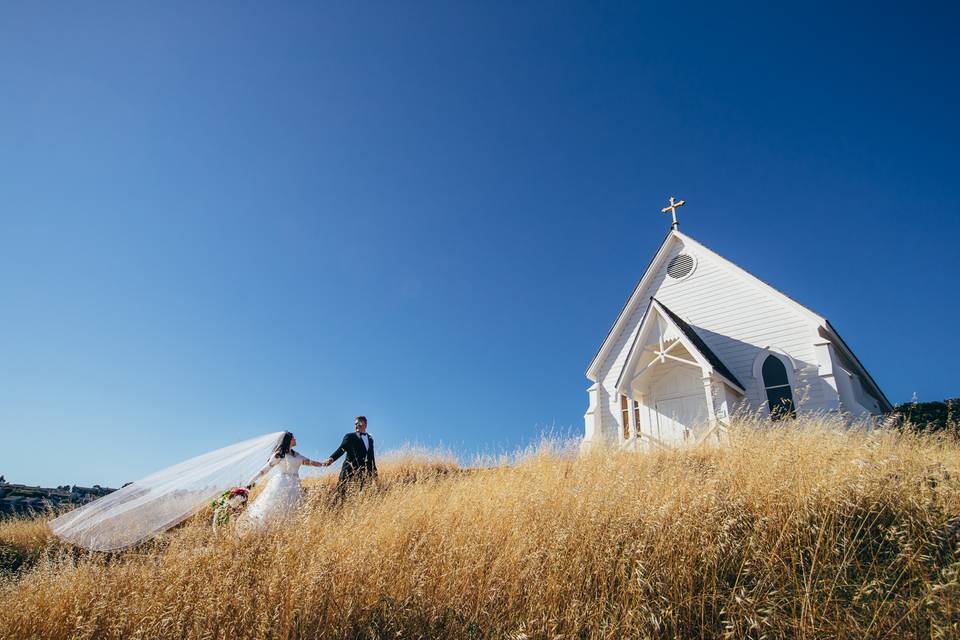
point(681, 266)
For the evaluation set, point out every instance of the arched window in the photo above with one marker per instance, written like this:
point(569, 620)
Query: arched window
point(777, 384)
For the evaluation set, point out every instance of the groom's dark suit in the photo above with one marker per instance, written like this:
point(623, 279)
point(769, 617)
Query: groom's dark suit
point(360, 462)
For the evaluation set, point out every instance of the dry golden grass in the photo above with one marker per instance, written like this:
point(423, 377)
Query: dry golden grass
point(21, 542)
point(812, 533)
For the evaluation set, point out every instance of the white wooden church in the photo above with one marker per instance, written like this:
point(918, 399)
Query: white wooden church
point(700, 338)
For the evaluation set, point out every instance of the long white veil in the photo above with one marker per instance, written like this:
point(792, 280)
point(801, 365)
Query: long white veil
point(164, 499)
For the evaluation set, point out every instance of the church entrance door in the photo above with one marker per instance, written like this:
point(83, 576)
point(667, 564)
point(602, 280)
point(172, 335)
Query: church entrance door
point(682, 419)
point(680, 405)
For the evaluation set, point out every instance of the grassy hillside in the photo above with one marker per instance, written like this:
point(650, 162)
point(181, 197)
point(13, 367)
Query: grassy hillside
point(813, 533)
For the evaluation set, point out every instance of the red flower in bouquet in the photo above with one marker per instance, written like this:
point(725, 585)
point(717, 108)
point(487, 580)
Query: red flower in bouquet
point(229, 502)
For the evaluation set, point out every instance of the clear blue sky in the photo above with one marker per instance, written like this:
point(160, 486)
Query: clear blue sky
point(222, 219)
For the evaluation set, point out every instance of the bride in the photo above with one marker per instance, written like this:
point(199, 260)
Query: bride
point(152, 505)
point(282, 494)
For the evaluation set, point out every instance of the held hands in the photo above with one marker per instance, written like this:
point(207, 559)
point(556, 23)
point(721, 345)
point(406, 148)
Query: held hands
point(327, 462)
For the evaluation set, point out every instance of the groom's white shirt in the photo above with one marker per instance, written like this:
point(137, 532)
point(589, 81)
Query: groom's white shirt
point(365, 438)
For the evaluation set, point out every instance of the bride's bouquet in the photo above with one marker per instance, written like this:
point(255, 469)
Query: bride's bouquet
point(229, 503)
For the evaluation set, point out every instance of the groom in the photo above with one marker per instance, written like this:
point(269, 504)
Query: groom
point(360, 464)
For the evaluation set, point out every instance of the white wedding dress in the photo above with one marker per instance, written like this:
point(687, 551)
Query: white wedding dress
point(282, 495)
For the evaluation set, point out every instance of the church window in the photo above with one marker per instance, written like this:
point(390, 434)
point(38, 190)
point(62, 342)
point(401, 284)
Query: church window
point(777, 385)
point(625, 415)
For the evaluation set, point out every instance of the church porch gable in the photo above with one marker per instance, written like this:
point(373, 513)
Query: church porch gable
point(670, 390)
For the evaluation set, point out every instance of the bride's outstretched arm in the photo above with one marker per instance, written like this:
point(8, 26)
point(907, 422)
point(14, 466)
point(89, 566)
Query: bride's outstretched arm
point(271, 463)
point(312, 463)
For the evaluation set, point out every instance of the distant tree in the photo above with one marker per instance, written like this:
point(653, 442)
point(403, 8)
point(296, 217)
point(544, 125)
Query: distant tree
point(930, 416)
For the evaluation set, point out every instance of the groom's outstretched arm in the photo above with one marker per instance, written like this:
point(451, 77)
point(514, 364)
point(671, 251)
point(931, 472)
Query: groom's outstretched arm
point(341, 449)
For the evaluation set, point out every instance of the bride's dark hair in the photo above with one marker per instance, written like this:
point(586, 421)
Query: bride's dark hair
point(282, 449)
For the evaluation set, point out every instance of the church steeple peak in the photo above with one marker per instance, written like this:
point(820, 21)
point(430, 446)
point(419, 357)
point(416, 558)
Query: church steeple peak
point(672, 208)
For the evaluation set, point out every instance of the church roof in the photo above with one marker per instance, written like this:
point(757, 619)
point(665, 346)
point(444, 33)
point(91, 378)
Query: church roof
point(701, 346)
point(676, 236)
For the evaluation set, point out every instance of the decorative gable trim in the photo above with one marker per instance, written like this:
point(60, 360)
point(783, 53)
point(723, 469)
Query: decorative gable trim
point(693, 343)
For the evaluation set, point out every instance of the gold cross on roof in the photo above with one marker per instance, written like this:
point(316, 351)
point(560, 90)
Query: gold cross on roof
point(674, 204)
